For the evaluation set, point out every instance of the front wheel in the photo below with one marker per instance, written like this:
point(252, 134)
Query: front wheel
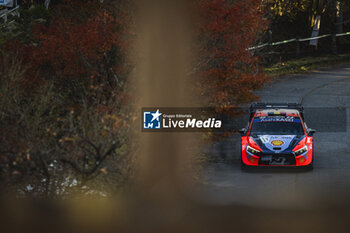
point(311, 165)
point(243, 166)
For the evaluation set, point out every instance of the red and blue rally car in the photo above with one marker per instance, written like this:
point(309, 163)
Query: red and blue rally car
point(276, 135)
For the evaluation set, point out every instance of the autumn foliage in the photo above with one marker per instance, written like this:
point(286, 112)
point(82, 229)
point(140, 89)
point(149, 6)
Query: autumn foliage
point(62, 97)
point(70, 49)
point(228, 71)
point(76, 44)
point(64, 108)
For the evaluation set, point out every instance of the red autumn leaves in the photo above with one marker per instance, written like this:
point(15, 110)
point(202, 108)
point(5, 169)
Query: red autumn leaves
point(228, 71)
point(74, 44)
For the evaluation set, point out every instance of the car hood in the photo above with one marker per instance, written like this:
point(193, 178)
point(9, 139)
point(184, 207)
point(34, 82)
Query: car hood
point(277, 143)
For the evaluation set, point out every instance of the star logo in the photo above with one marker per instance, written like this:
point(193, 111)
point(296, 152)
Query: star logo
point(152, 120)
point(156, 115)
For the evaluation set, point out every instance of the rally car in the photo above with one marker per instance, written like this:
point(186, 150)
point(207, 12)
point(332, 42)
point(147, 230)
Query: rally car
point(276, 135)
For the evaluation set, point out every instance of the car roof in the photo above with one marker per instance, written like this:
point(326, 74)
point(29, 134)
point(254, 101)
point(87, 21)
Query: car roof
point(277, 112)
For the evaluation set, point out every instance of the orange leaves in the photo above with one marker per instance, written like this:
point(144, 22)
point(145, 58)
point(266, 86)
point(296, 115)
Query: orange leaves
point(227, 30)
point(80, 40)
point(71, 48)
point(104, 171)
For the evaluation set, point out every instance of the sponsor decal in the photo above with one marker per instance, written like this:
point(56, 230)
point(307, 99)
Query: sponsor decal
point(271, 141)
point(265, 139)
point(277, 119)
point(277, 142)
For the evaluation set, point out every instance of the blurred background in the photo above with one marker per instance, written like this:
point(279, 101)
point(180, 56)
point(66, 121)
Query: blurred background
point(74, 75)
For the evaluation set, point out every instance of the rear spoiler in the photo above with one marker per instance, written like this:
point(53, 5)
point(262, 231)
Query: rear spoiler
point(255, 106)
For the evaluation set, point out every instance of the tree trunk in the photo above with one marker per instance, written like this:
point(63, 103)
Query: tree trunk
point(47, 3)
point(339, 16)
point(334, 20)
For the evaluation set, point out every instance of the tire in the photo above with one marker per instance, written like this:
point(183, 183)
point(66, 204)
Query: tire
point(311, 165)
point(243, 166)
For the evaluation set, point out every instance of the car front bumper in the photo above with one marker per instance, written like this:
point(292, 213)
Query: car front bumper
point(276, 159)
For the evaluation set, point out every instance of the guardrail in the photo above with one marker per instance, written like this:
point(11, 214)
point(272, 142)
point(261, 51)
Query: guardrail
point(6, 12)
point(297, 40)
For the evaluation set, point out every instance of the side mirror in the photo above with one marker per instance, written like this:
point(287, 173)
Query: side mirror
point(242, 131)
point(311, 132)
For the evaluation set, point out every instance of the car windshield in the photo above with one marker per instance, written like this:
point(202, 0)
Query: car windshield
point(277, 128)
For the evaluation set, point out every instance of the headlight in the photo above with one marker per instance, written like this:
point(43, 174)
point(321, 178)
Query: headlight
point(300, 151)
point(252, 150)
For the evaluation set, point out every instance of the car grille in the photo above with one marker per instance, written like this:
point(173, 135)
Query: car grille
point(277, 159)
